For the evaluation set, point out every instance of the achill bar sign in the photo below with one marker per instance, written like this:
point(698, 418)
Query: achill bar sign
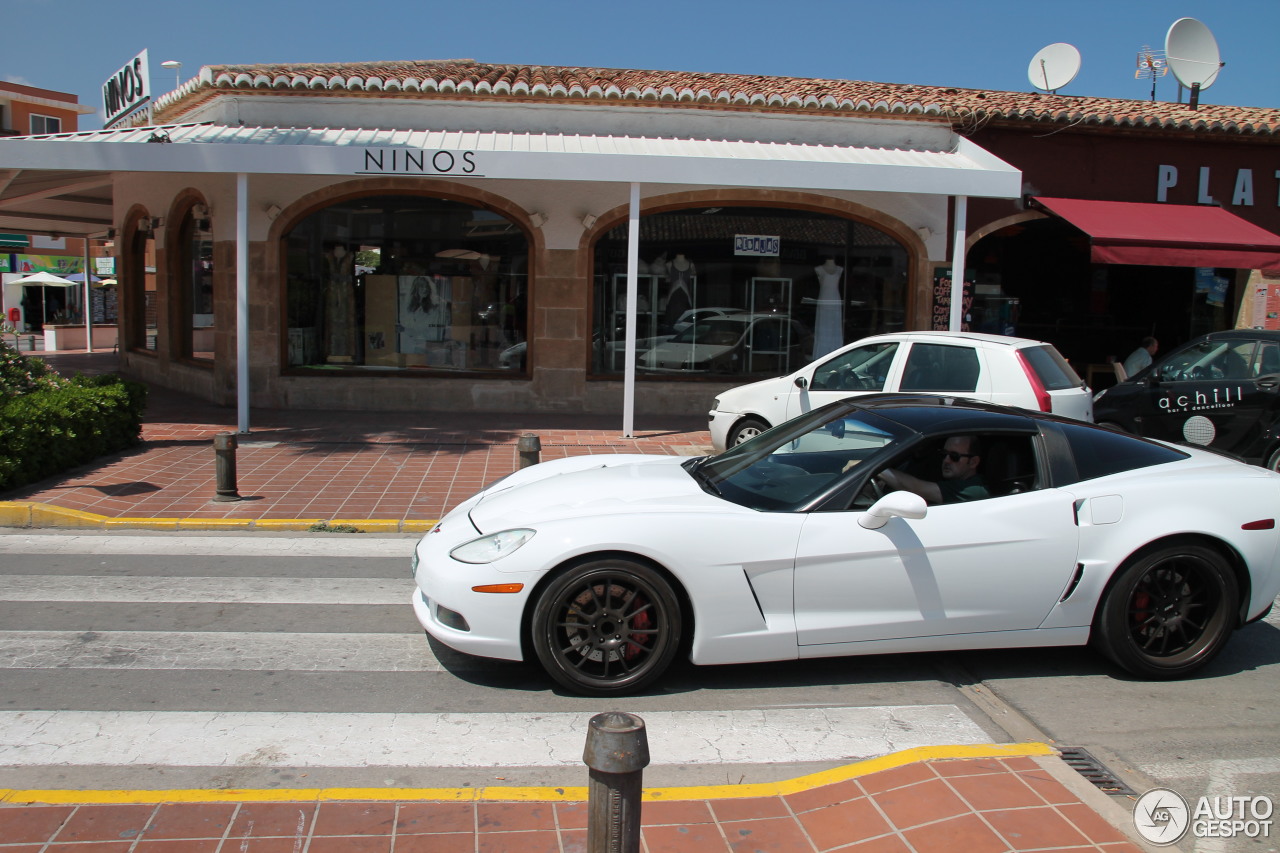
point(126, 90)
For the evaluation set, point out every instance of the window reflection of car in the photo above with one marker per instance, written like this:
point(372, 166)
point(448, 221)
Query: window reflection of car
point(1220, 390)
point(693, 315)
point(736, 343)
point(786, 547)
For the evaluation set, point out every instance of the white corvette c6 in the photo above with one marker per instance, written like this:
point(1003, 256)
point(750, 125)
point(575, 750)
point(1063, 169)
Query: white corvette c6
point(605, 568)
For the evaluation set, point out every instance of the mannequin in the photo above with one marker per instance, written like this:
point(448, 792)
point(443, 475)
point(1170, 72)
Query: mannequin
point(681, 272)
point(339, 306)
point(828, 326)
point(659, 266)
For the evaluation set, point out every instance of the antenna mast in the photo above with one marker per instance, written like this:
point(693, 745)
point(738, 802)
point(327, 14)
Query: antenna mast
point(1151, 63)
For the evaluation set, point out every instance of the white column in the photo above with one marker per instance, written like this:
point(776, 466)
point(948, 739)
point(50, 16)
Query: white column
point(629, 353)
point(242, 302)
point(957, 263)
point(88, 300)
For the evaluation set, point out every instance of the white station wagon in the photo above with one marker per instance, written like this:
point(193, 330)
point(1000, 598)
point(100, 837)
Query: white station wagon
point(992, 368)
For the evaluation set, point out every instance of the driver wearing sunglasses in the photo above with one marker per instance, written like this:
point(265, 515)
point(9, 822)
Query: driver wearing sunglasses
point(960, 478)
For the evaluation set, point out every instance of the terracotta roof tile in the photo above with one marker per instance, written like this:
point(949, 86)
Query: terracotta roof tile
point(469, 80)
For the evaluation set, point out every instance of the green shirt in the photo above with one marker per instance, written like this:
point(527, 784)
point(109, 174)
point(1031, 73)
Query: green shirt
point(958, 491)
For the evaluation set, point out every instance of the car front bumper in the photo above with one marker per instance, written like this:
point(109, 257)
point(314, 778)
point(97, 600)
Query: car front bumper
point(718, 424)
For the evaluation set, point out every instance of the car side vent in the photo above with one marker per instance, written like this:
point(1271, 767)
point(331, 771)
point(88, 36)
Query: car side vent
point(1094, 771)
point(1075, 582)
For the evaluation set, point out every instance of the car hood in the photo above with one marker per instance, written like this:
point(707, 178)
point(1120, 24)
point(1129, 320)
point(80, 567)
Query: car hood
point(564, 489)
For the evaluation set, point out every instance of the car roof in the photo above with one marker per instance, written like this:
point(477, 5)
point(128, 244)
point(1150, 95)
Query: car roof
point(1238, 334)
point(956, 337)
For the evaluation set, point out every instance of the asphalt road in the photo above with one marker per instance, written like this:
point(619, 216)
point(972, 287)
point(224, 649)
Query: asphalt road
point(250, 661)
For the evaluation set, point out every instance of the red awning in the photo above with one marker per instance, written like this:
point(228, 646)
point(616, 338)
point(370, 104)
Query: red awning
point(1168, 235)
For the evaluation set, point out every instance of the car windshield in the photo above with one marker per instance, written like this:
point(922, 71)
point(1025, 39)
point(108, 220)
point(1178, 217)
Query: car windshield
point(788, 467)
point(712, 332)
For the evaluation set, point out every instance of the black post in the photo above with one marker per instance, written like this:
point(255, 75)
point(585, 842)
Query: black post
point(617, 752)
point(224, 452)
point(530, 449)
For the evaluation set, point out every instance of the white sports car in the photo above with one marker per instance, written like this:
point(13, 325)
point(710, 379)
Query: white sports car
point(605, 568)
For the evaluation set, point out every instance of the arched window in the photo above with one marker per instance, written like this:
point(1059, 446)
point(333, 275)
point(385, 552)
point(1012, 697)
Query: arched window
point(195, 302)
point(137, 280)
point(401, 282)
point(744, 291)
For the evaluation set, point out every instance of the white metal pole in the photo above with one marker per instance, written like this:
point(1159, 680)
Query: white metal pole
point(242, 301)
point(629, 353)
point(88, 300)
point(957, 263)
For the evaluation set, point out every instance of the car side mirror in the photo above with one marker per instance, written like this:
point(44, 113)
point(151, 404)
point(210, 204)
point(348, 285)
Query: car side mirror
point(802, 383)
point(893, 505)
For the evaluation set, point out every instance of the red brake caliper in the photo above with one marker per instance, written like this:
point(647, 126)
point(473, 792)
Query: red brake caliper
point(641, 622)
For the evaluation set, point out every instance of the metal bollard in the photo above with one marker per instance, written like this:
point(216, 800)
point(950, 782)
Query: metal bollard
point(224, 453)
point(617, 752)
point(530, 449)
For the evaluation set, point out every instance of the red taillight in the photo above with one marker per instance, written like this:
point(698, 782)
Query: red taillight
point(1043, 400)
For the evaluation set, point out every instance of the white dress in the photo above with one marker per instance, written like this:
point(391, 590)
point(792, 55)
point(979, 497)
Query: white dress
point(828, 327)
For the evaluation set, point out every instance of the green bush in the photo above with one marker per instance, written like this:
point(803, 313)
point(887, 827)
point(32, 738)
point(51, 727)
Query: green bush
point(56, 423)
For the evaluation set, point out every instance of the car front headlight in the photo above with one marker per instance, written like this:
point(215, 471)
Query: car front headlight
point(492, 547)
point(1099, 395)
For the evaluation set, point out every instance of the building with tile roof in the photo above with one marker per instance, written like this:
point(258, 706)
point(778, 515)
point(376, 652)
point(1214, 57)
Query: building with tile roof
point(460, 235)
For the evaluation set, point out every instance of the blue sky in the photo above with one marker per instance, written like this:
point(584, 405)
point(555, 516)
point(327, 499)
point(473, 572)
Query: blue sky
point(74, 45)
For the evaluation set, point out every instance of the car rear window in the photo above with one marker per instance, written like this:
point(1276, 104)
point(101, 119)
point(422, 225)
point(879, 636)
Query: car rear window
point(1100, 452)
point(1051, 368)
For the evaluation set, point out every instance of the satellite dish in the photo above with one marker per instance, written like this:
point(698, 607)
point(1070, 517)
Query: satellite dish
point(1192, 53)
point(1054, 66)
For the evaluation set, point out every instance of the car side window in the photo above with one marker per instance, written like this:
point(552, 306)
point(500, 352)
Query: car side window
point(1006, 466)
point(937, 367)
point(1212, 360)
point(859, 369)
point(1268, 359)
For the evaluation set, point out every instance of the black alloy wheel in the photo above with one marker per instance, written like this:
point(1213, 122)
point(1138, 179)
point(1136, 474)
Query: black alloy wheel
point(607, 627)
point(1169, 613)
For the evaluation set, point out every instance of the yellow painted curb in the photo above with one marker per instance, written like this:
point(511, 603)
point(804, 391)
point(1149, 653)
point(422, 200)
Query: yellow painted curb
point(286, 523)
point(31, 514)
point(514, 794)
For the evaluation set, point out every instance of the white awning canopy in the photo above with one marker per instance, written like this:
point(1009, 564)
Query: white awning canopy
point(965, 170)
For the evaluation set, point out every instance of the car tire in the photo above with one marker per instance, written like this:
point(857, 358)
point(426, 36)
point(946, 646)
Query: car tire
point(1169, 612)
point(745, 429)
point(1273, 461)
point(607, 627)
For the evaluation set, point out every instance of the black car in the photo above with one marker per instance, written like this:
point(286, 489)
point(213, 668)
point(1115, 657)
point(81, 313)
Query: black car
point(1221, 390)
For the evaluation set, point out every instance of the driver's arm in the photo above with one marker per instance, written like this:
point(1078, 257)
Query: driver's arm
point(900, 481)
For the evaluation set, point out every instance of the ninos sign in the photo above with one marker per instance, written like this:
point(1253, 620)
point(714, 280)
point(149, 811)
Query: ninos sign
point(403, 161)
point(126, 90)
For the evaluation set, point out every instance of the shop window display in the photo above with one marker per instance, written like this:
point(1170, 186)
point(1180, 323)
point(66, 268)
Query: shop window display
point(137, 278)
point(196, 288)
point(398, 283)
point(744, 291)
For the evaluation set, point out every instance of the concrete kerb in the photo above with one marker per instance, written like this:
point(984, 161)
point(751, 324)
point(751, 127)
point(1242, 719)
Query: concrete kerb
point(1040, 752)
point(32, 514)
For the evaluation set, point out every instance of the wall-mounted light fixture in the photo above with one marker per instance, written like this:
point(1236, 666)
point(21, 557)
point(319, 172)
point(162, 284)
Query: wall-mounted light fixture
point(589, 221)
point(273, 210)
point(925, 232)
point(538, 219)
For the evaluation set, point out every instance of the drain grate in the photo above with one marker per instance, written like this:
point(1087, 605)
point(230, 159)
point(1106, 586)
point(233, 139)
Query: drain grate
point(1095, 771)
